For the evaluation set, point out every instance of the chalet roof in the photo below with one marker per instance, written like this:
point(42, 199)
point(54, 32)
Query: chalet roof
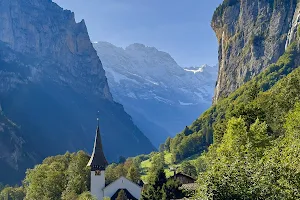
point(97, 160)
point(190, 186)
point(184, 175)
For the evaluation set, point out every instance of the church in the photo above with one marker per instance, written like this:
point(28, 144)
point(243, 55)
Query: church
point(98, 164)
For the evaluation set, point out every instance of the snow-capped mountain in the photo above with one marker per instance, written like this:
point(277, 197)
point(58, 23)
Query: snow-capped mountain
point(161, 96)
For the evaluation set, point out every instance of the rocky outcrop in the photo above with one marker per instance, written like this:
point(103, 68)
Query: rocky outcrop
point(294, 32)
point(43, 29)
point(251, 35)
point(52, 84)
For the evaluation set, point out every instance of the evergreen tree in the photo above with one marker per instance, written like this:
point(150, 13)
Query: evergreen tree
point(122, 159)
point(171, 190)
point(110, 173)
point(253, 91)
point(187, 168)
point(167, 144)
point(121, 195)
point(153, 190)
point(159, 188)
point(157, 162)
point(133, 174)
point(161, 147)
point(187, 131)
point(10, 193)
point(1, 186)
point(86, 196)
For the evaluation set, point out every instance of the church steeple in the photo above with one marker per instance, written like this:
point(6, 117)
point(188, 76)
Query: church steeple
point(97, 160)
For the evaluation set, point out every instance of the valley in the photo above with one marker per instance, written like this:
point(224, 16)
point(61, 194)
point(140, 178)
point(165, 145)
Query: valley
point(184, 136)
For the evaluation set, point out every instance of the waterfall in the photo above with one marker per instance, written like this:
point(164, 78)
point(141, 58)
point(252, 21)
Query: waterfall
point(292, 34)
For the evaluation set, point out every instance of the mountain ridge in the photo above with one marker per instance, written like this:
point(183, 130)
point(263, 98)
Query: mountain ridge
point(146, 81)
point(52, 85)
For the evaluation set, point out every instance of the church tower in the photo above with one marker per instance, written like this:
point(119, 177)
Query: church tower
point(98, 164)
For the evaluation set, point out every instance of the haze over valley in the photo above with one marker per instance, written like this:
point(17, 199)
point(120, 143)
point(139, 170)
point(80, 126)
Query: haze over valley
point(118, 100)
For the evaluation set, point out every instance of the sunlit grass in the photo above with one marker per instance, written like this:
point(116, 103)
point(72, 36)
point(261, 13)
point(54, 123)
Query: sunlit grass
point(146, 165)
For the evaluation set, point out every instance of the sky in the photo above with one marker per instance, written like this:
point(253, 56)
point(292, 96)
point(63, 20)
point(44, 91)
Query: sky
point(178, 27)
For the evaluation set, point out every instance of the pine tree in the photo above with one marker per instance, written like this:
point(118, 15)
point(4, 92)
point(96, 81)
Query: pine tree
point(161, 147)
point(153, 191)
point(171, 190)
point(167, 144)
point(121, 195)
point(187, 131)
point(133, 174)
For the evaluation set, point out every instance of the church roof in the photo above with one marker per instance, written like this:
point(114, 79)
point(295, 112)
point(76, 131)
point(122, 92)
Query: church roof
point(122, 178)
point(97, 160)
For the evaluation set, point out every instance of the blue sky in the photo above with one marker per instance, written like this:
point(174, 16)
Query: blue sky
point(179, 27)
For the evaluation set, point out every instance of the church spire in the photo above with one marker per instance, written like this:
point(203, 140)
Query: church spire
point(97, 160)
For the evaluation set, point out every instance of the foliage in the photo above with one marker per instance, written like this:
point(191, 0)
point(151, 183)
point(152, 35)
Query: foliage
point(157, 162)
point(59, 177)
point(11, 193)
point(129, 169)
point(187, 146)
point(187, 168)
point(161, 148)
point(2, 186)
point(122, 159)
point(134, 174)
point(171, 190)
point(121, 195)
point(86, 196)
point(167, 144)
point(153, 191)
point(246, 165)
point(159, 187)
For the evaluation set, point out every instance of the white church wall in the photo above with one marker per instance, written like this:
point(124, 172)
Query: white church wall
point(97, 185)
point(123, 183)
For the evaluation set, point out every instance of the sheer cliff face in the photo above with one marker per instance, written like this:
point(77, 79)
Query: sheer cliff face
point(251, 35)
point(42, 29)
point(51, 86)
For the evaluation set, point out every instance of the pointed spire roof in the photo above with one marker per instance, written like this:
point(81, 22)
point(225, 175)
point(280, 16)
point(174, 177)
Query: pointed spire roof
point(97, 160)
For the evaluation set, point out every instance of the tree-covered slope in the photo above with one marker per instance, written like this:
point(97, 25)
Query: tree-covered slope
point(255, 152)
point(209, 127)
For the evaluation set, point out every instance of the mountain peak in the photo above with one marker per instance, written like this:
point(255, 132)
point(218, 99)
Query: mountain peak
point(136, 46)
point(145, 79)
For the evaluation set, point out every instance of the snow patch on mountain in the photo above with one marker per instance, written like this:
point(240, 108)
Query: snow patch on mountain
point(185, 104)
point(153, 87)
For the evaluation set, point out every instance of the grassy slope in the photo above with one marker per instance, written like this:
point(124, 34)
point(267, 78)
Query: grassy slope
point(146, 165)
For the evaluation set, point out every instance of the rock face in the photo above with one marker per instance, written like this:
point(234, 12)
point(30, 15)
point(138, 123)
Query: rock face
point(251, 35)
point(161, 96)
point(51, 85)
